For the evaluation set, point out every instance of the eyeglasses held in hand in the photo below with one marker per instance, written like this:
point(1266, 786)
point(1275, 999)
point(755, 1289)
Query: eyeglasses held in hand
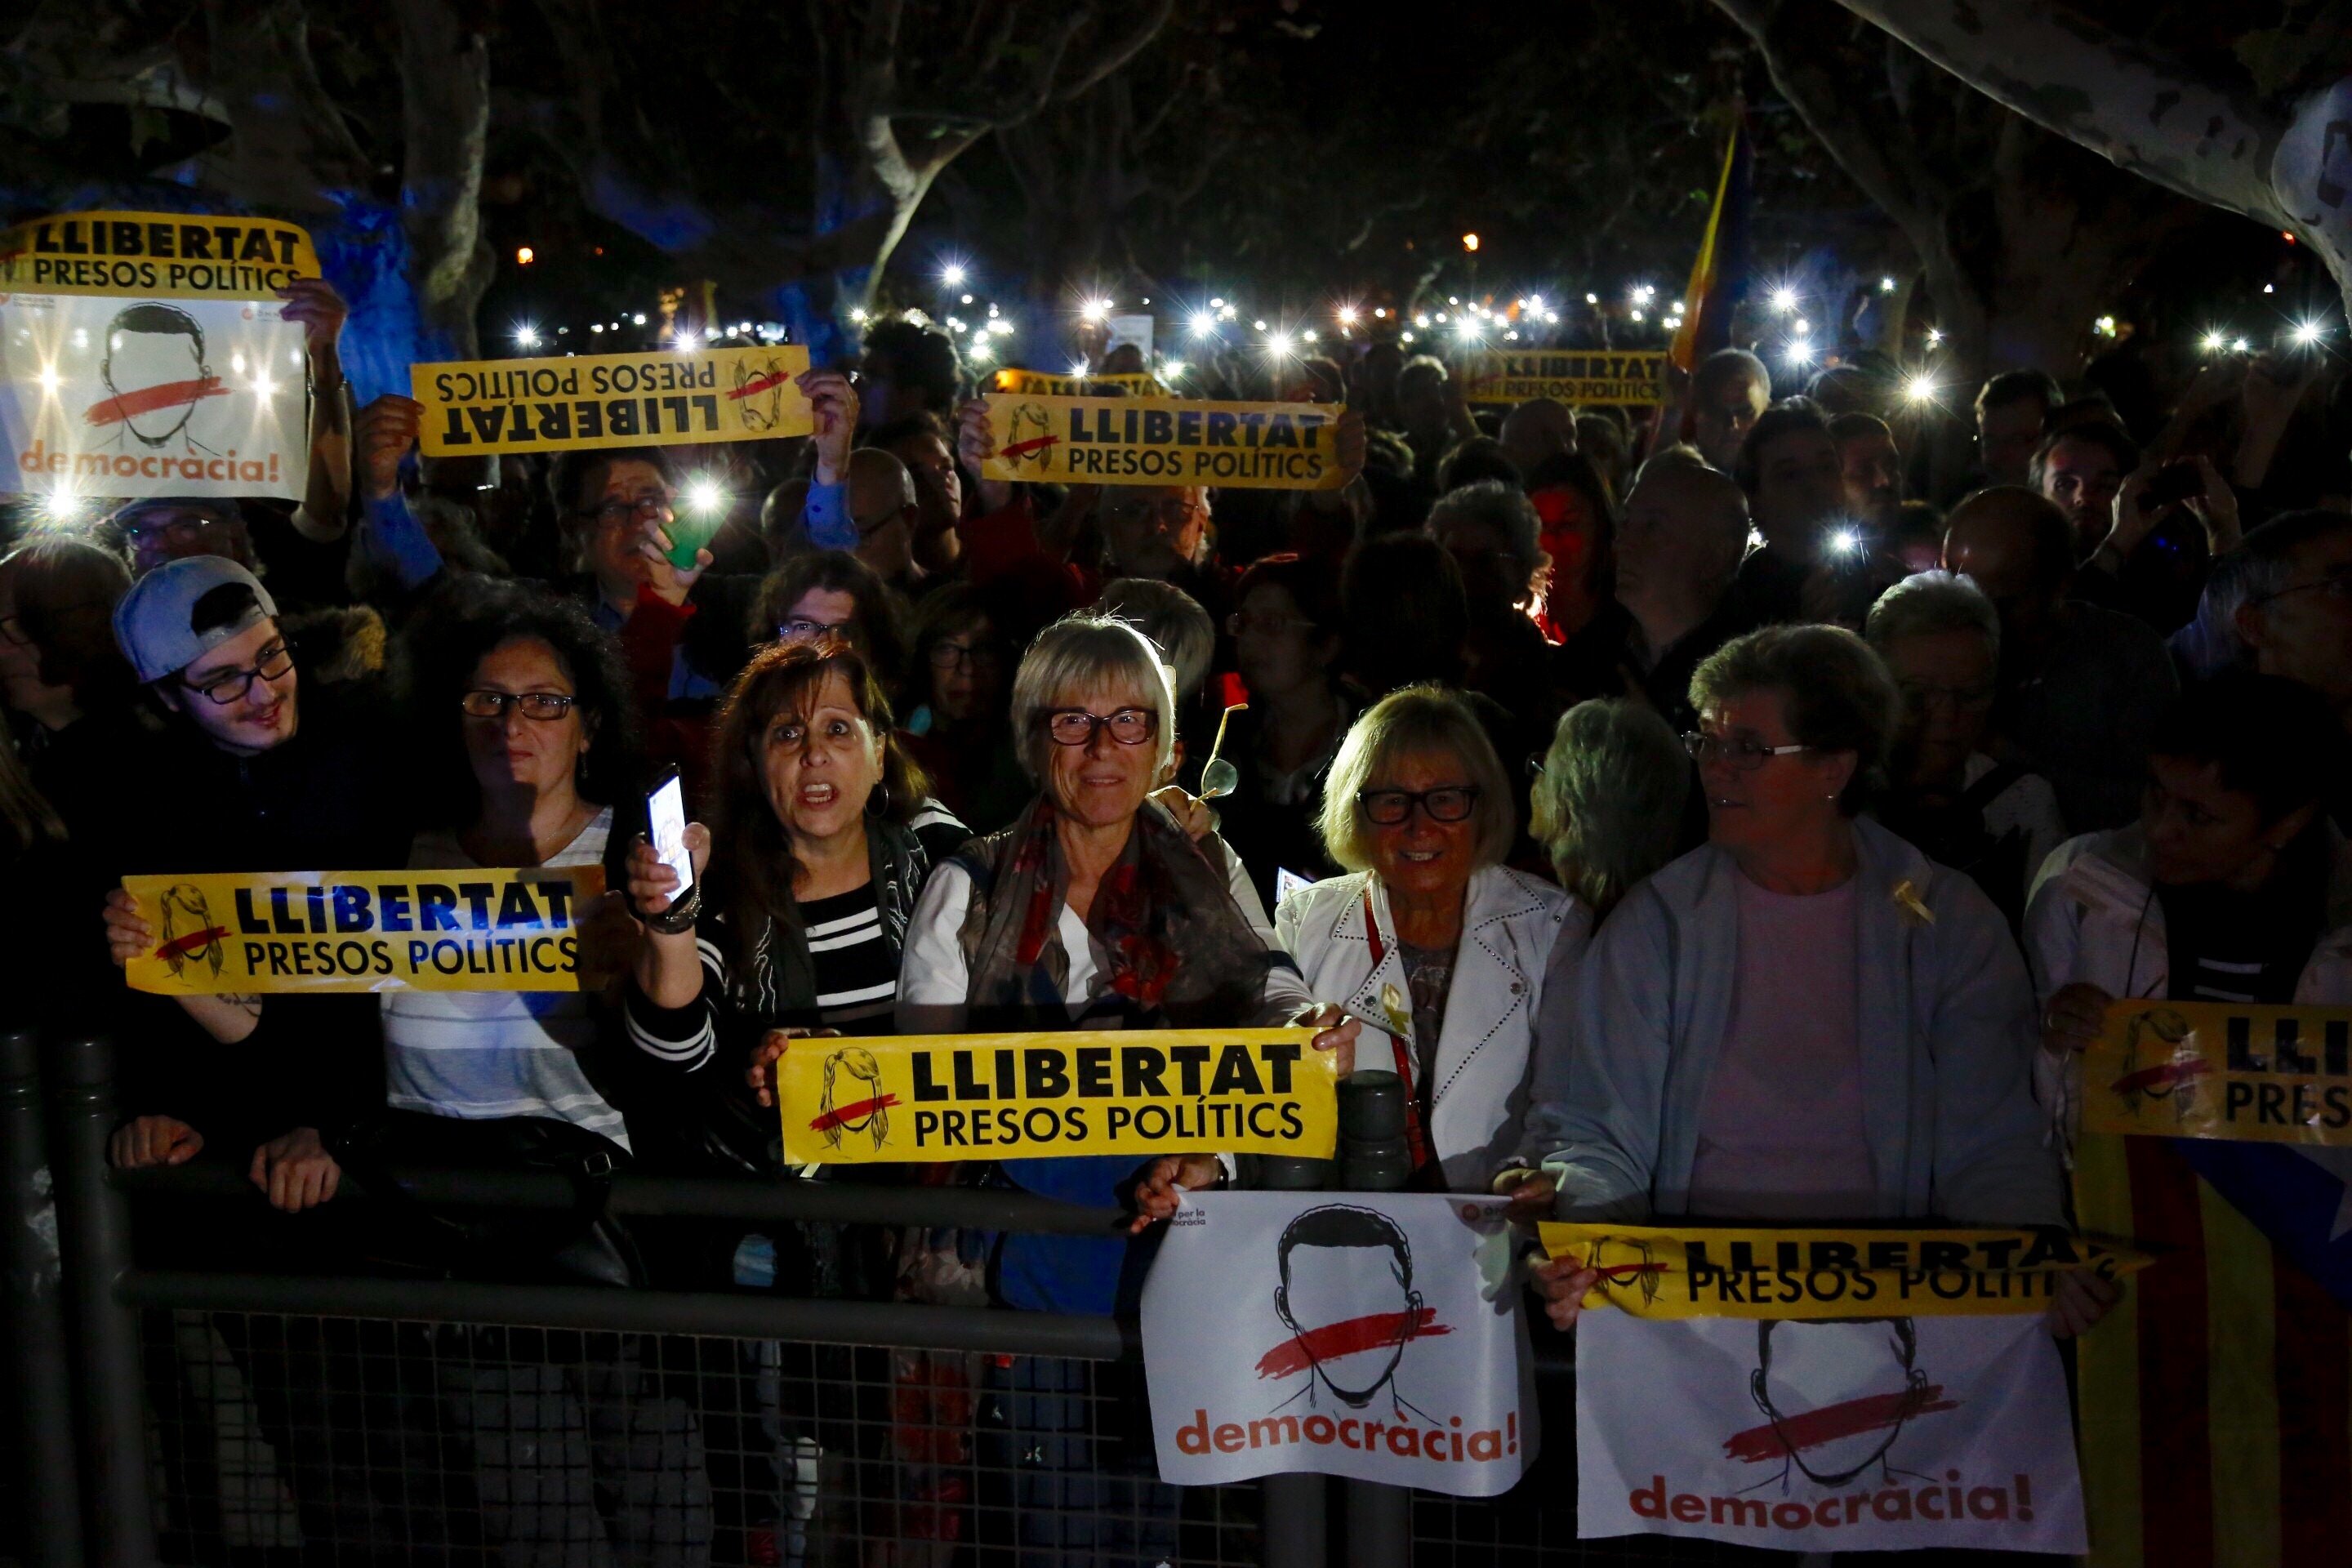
point(1391, 807)
point(1743, 753)
point(544, 706)
point(231, 685)
point(1076, 727)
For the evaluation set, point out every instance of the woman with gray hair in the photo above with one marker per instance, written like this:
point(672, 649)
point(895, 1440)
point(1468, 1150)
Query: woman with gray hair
point(1804, 1019)
point(1940, 637)
point(1095, 909)
point(1608, 799)
point(1429, 937)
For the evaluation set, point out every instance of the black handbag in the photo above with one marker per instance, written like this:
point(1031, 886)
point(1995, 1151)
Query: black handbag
point(580, 1244)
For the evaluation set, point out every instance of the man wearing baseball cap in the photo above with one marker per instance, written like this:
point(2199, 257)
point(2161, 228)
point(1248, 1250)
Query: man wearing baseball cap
point(251, 773)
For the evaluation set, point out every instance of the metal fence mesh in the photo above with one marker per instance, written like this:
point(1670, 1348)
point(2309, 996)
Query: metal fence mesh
point(332, 1440)
point(280, 1438)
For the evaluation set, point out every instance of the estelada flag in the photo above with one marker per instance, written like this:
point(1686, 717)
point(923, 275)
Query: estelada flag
point(1718, 279)
point(2217, 1398)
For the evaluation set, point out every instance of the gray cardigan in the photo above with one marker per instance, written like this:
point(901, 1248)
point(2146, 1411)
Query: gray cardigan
point(1946, 1017)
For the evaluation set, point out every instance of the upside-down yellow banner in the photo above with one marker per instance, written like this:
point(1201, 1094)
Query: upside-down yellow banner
point(1044, 384)
point(2219, 1070)
point(1163, 441)
point(1009, 1097)
point(1659, 1271)
point(660, 398)
point(365, 930)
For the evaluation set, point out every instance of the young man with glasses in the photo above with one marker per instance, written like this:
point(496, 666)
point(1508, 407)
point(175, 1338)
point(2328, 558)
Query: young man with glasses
point(253, 771)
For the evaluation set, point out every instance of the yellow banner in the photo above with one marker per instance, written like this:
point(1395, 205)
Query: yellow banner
point(1014, 1096)
point(2219, 1070)
point(165, 256)
point(1044, 384)
point(1656, 1271)
point(365, 930)
point(1163, 441)
point(1570, 376)
point(657, 398)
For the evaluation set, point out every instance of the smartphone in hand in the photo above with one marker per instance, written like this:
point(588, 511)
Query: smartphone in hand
point(666, 825)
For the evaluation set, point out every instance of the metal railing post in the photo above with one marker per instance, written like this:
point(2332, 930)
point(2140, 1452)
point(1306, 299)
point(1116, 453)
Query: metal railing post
point(1374, 1157)
point(94, 1234)
point(35, 1324)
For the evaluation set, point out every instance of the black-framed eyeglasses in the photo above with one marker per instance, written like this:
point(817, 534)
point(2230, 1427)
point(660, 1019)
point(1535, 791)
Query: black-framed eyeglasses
point(1076, 727)
point(949, 655)
point(545, 706)
point(1921, 696)
point(1391, 807)
point(616, 512)
point(1743, 753)
point(1241, 622)
point(1535, 764)
point(145, 527)
point(800, 628)
point(227, 686)
point(12, 625)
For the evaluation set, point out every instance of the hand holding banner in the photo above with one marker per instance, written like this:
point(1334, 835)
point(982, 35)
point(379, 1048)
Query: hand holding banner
point(660, 398)
point(1013, 1097)
point(1164, 441)
point(366, 930)
point(1654, 1271)
point(2213, 1069)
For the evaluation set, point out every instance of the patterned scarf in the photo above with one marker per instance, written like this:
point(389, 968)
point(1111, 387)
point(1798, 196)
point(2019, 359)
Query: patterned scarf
point(1176, 945)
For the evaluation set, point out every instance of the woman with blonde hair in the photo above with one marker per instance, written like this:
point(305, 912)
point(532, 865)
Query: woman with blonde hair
point(1448, 953)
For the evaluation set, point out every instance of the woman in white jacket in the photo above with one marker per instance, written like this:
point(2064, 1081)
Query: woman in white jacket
point(1441, 950)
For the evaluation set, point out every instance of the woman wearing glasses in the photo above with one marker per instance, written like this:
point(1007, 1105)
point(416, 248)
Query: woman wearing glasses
point(527, 734)
point(959, 682)
point(1447, 953)
point(1094, 910)
point(1804, 1019)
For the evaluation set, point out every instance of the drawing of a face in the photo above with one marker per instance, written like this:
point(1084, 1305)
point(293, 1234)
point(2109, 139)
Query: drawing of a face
point(155, 373)
point(1835, 1397)
point(853, 1100)
point(188, 934)
point(1028, 435)
point(2155, 1069)
point(1626, 1267)
point(1349, 1337)
point(760, 389)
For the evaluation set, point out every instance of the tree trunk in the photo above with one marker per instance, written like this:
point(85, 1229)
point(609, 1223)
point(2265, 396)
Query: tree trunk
point(444, 75)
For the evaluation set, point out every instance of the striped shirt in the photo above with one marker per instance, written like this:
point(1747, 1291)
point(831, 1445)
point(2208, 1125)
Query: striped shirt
point(477, 1055)
point(856, 976)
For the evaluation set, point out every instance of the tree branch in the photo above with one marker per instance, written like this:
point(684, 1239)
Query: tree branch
point(2135, 105)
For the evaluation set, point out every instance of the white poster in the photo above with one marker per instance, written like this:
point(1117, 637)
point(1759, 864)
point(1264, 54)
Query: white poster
point(1372, 1335)
point(1135, 328)
point(123, 396)
point(1838, 1434)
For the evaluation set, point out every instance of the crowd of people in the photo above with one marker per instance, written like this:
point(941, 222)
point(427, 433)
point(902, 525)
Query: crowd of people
point(1699, 813)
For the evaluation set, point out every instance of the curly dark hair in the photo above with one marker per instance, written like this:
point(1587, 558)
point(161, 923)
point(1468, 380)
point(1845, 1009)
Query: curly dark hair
point(753, 868)
point(446, 643)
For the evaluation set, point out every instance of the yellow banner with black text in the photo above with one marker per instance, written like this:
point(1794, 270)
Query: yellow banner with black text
point(241, 932)
point(576, 402)
point(2221, 1069)
point(1030, 1096)
point(1046, 383)
point(1163, 441)
point(1662, 1271)
point(161, 255)
point(1574, 376)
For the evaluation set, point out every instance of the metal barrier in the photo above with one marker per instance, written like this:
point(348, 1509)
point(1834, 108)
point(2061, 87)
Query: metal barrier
point(339, 1418)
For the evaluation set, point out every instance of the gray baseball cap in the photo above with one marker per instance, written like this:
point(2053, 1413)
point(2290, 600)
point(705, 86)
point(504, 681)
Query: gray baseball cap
point(154, 621)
